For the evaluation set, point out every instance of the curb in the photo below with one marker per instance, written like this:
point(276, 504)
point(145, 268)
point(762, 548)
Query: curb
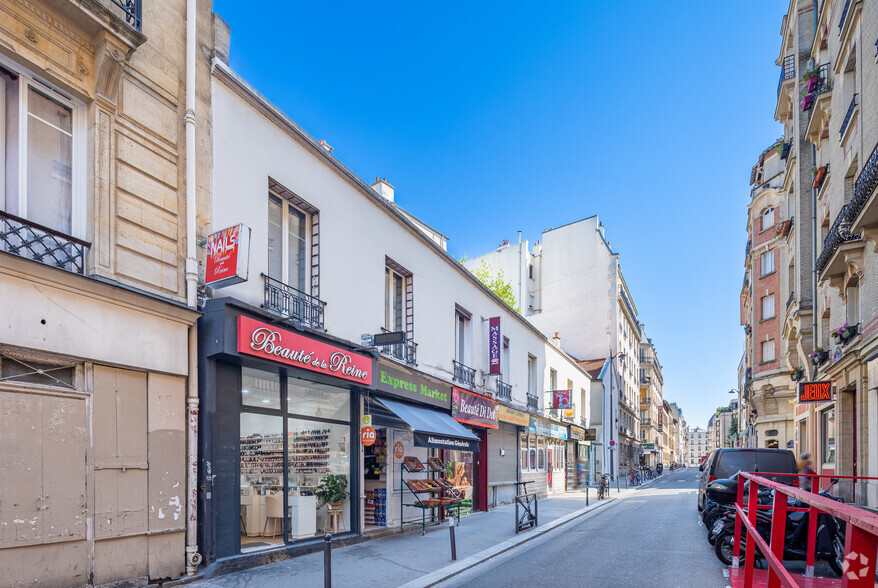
point(443, 574)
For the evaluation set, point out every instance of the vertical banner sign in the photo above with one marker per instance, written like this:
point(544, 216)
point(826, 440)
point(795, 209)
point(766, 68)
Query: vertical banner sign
point(562, 399)
point(494, 344)
point(660, 414)
point(228, 254)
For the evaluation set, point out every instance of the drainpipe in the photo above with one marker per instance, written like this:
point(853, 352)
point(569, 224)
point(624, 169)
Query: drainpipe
point(193, 558)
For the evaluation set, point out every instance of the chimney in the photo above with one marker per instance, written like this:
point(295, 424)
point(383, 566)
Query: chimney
point(557, 340)
point(326, 146)
point(519, 236)
point(384, 189)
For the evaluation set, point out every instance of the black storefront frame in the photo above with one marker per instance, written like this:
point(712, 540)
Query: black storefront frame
point(221, 405)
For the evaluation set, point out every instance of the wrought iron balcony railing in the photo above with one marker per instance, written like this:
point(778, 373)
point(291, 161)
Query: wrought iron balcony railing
point(847, 117)
point(645, 379)
point(407, 352)
point(647, 422)
point(787, 71)
point(504, 390)
point(864, 186)
point(533, 402)
point(132, 11)
point(464, 374)
point(26, 239)
point(294, 304)
point(838, 234)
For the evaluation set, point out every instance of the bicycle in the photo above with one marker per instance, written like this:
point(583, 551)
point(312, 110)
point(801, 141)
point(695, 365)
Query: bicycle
point(604, 487)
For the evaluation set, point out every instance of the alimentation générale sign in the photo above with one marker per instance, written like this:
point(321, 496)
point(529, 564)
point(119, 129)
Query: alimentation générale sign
point(409, 386)
point(815, 391)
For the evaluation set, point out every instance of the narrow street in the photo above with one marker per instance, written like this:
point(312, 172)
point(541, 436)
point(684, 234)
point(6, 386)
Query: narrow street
point(650, 539)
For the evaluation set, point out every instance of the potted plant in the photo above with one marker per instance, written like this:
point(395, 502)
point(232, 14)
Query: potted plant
point(796, 374)
point(747, 329)
point(844, 333)
point(333, 489)
point(819, 355)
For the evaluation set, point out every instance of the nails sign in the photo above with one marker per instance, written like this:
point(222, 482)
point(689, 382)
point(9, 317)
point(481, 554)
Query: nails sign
point(815, 391)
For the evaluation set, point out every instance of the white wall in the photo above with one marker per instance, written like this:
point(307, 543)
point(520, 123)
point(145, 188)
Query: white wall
point(356, 233)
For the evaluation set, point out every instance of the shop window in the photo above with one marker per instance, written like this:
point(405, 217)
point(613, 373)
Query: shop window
point(541, 454)
point(827, 435)
point(462, 342)
point(532, 449)
point(524, 462)
point(259, 388)
point(262, 454)
point(310, 399)
point(42, 168)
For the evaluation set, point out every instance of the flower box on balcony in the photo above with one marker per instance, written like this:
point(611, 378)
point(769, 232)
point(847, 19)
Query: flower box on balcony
point(807, 102)
point(819, 356)
point(844, 333)
point(812, 83)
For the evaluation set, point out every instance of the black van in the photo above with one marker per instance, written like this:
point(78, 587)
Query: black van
point(726, 462)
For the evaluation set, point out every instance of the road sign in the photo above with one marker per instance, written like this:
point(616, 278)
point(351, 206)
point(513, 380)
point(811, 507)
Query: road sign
point(612, 442)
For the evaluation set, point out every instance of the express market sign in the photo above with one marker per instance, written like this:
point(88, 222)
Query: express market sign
point(411, 387)
point(474, 409)
point(268, 342)
point(815, 391)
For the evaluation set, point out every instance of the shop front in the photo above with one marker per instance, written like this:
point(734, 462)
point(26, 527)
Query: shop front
point(416, 444)
point(544, 456)
point(479, 414)
point(578, 458)
point(504, 469)
point(277, 465)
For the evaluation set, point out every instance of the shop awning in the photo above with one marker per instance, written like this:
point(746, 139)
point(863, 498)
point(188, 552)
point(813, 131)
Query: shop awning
point(433, 428)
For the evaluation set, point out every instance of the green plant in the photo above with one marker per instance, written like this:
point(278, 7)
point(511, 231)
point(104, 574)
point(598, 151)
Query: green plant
point(809, 74)
point(332, 488)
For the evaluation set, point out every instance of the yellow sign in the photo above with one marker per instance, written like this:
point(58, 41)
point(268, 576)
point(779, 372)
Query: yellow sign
point(367, 420)
point(569, 412)
point(515, 417)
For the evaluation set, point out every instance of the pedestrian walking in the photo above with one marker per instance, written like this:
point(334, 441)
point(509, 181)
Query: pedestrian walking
point(806, 471)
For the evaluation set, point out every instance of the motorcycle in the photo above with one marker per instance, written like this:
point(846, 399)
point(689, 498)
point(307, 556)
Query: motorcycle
point(830, 535)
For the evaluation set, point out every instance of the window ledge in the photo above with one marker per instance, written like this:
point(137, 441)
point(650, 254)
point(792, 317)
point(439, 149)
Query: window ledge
point(769, 318)
point(767, 274)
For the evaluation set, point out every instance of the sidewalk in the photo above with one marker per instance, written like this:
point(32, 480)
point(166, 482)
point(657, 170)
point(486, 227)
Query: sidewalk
point(420, 560)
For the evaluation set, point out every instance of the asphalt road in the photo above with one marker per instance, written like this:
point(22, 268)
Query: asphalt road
point(652, 538)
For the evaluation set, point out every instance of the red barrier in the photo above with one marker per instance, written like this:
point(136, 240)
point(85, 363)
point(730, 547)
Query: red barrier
point(861, 535)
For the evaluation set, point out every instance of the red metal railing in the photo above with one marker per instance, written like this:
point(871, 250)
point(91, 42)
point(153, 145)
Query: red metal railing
point(861, 535)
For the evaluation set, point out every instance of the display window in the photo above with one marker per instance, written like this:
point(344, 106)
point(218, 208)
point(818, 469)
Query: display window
point(459, 471)
point(827, 434)
point(295, 459)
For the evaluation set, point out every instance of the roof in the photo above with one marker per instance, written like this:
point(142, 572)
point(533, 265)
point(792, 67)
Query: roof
point(593, 367)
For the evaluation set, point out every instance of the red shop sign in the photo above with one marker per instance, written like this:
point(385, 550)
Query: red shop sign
point(228, 253)
point(268, 342)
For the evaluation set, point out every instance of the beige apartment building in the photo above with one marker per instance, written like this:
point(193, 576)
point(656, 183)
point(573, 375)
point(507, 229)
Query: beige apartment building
point(98, 279)
point(826, 102)
point(651, 412)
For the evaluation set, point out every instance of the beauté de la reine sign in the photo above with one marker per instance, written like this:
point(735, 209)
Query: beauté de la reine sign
point(411, 386)
point(268, 342)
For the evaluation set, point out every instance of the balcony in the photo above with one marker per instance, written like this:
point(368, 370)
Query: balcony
point(464, 374)
point(293, 304)
point(838, 248)
point(406, 352)
point(787, 71)
point(862, 210)
point(852, 109)
point(646, 422)
point(38, 243)
point(818, 96)
point(122, 19)
point(645, 380)
point(504, 391)
point(533, 402)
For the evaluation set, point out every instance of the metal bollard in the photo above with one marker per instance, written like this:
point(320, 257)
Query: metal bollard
point(586, 495)
point(626, 482)
point(453, 544)
point(617, 484)
point(327, 561)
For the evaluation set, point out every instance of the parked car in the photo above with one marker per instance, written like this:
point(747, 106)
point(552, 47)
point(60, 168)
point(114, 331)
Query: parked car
point(726, 462)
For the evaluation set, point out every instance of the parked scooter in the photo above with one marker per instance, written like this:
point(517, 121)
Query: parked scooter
point(721, 496)
point(830, 535)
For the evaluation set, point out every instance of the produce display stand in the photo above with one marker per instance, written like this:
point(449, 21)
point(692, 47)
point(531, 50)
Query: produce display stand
point(442, 493)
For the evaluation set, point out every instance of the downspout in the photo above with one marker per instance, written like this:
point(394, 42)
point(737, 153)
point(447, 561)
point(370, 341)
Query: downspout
point(193, 558)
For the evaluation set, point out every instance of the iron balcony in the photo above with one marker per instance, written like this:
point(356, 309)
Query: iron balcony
point(504, 391)
point(464, 374)
point(32, 241)
point(294, 304)
point(407, 351)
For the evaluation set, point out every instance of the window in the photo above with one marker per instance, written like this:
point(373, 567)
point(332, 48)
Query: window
point(767, 263)
point(827, 435)
point(286, 242)
point(41, 151)
point(852, 303)
point(541, 454)
point(462, 348)
point(767, 351)
point(531, 374)
point(553, 380)
point(530, 271)
point(768, 218)
point(768, 307)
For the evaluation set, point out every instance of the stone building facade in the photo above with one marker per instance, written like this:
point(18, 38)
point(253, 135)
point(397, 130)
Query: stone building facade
point(96, 348)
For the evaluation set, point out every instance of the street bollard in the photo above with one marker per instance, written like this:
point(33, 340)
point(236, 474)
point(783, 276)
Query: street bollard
point(626, 482)
point(586, 495)
point(617, 484)
point(453, 544)
point(327, 561)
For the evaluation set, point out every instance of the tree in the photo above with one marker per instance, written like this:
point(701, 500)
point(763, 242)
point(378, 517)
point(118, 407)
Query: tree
point(733, 428)
point(496, 283)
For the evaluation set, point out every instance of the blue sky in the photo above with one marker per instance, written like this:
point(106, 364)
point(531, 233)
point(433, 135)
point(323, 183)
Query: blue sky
point(493, 117)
